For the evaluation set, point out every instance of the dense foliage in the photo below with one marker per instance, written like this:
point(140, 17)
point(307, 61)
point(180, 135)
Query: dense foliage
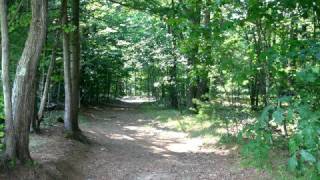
point(260, 56)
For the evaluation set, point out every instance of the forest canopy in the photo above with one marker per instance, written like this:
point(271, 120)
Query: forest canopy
point(259, 57)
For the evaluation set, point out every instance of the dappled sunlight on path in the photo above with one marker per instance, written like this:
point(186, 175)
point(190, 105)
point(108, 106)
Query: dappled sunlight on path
point(126, 144)
point(137, 99)
point(142, 149)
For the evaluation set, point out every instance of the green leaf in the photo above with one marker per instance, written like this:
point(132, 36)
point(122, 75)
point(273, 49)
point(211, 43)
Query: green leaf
point(308, 134)
point(284, 99)
point(316, 69)
point(265, 116)
point(278, 116)
point(292, 163)
point(306, 156)
point(293, 146)
point(290, 115)
point(318, 166)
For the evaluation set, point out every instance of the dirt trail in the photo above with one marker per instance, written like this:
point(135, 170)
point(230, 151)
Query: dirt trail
point(127, 145)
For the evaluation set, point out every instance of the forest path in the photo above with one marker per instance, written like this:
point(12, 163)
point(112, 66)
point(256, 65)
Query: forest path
point(127, 145)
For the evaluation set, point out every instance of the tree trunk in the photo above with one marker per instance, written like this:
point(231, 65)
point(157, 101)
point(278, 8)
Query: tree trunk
point(195, 19)
point(67, 70)
point(75, 64)
point(173, 85)
point(47, 85)
point(58, 93)
point(23, 98)
point(173, 71)
point(10, 140)
point(203, 87)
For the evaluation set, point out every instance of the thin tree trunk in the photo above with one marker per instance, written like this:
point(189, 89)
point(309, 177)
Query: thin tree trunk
point(173, 85)
point(203, 87)
point(47, 84)
point(173, 71)
point(23, 97)
point(10, 140)
point(195, 19)
point(58, 93)
point(75, 64)
point(67, 70)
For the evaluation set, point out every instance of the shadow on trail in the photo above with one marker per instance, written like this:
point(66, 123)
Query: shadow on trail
point(134, 148)
point(127, 144)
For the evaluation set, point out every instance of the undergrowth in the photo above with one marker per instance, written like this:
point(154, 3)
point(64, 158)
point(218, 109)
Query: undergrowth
point(232, 126)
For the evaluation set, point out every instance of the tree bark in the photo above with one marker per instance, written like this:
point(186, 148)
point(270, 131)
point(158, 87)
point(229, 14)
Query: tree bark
point(173, 85)
point(75, 64)
point(202, 85)
point(173, 76)
point(173, 70)
point(67, 70)
point(23, 97)
point(195, 19)
point(10, 140)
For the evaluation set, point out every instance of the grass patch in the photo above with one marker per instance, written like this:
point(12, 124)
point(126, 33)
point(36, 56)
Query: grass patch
point(51, 118)
point(184, 122)
point(219, 125)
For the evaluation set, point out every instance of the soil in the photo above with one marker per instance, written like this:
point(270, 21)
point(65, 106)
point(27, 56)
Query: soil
point(126, 144)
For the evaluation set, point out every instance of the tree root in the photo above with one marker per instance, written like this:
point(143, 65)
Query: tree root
point(78, 136)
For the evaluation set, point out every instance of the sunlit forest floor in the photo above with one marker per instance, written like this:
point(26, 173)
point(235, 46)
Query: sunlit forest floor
point(135, 141)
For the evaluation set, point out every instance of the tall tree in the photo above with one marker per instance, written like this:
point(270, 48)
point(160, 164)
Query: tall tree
point(194, 17)
point(67, 68)
point(10, 139)
point(23, 97)
point(75, 63)
point(173, 71)
point(203, 82)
